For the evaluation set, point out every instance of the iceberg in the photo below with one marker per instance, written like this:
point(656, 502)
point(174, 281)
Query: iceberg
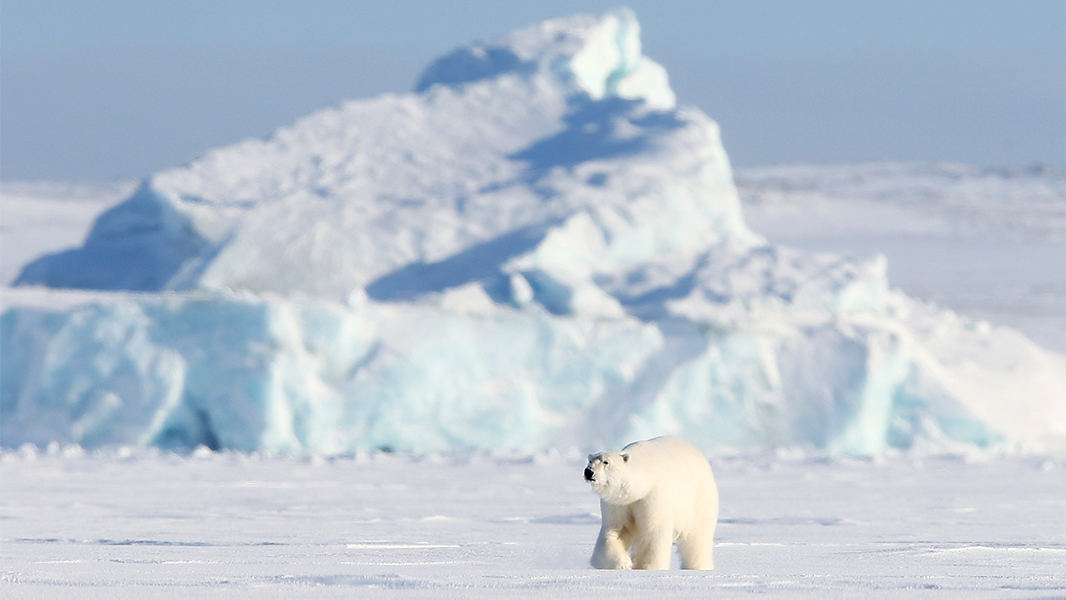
point(535, 248)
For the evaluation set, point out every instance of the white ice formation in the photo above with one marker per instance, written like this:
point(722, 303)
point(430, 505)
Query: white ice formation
point(534, 249)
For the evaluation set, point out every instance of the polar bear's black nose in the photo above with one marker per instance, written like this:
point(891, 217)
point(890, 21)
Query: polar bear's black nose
point(588, 474)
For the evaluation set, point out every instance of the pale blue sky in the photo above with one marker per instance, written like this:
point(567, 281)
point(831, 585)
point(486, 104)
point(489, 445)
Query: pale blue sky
point(109, 89)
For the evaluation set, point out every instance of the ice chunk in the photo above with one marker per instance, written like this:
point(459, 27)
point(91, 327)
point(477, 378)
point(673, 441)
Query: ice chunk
point(601, 55)
point(611, 64)
point(259, 374)
point(185, 371)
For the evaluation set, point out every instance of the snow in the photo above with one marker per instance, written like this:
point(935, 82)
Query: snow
point(134, 524)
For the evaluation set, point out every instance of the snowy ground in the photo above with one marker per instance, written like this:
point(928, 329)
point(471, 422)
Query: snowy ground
point(236, 526)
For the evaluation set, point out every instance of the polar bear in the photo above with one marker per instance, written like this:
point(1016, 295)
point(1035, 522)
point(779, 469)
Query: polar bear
point(652, 493)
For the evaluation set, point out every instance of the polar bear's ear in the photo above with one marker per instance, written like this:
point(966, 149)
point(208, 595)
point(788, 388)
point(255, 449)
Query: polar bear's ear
point(625, 458)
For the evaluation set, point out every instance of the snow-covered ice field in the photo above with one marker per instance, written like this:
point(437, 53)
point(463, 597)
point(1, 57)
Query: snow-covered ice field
point(987, 243)
point(142, 524)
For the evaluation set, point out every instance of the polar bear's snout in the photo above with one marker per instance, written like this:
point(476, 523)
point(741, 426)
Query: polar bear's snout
point(588, 474)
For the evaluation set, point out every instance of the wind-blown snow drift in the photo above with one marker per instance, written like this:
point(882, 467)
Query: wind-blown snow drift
point(534, 249)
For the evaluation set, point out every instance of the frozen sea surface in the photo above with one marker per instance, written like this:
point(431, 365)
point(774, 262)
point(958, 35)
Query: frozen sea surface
point(987, 243)
point(142, 524)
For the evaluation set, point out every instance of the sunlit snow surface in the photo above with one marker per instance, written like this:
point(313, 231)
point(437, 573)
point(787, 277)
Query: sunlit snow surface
point(138, 524)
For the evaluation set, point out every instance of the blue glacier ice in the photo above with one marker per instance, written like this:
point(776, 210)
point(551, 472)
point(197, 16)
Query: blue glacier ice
point(536, 248)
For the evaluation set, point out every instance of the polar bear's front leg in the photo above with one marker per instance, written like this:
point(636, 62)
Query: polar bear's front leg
point(612, 546)
point(651, 549)
point(654, 539)
point(611, 552)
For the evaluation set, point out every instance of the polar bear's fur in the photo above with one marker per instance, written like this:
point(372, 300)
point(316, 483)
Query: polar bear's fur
point(653, 493)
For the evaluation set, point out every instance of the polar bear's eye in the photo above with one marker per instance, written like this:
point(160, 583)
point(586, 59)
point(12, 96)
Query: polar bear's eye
point(606, 462)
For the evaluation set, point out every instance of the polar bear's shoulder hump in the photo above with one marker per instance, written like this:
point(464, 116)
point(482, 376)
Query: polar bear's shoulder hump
point(665, 446)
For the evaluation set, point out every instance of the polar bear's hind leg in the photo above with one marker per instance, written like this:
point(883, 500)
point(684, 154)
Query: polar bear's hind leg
point(696, 546)
point(697, 552)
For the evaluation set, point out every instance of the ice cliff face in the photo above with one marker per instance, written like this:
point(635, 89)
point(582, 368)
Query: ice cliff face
point(536, 248)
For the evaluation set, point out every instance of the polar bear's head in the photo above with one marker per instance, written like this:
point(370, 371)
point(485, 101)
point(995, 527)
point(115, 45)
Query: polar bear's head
point(610, 477)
